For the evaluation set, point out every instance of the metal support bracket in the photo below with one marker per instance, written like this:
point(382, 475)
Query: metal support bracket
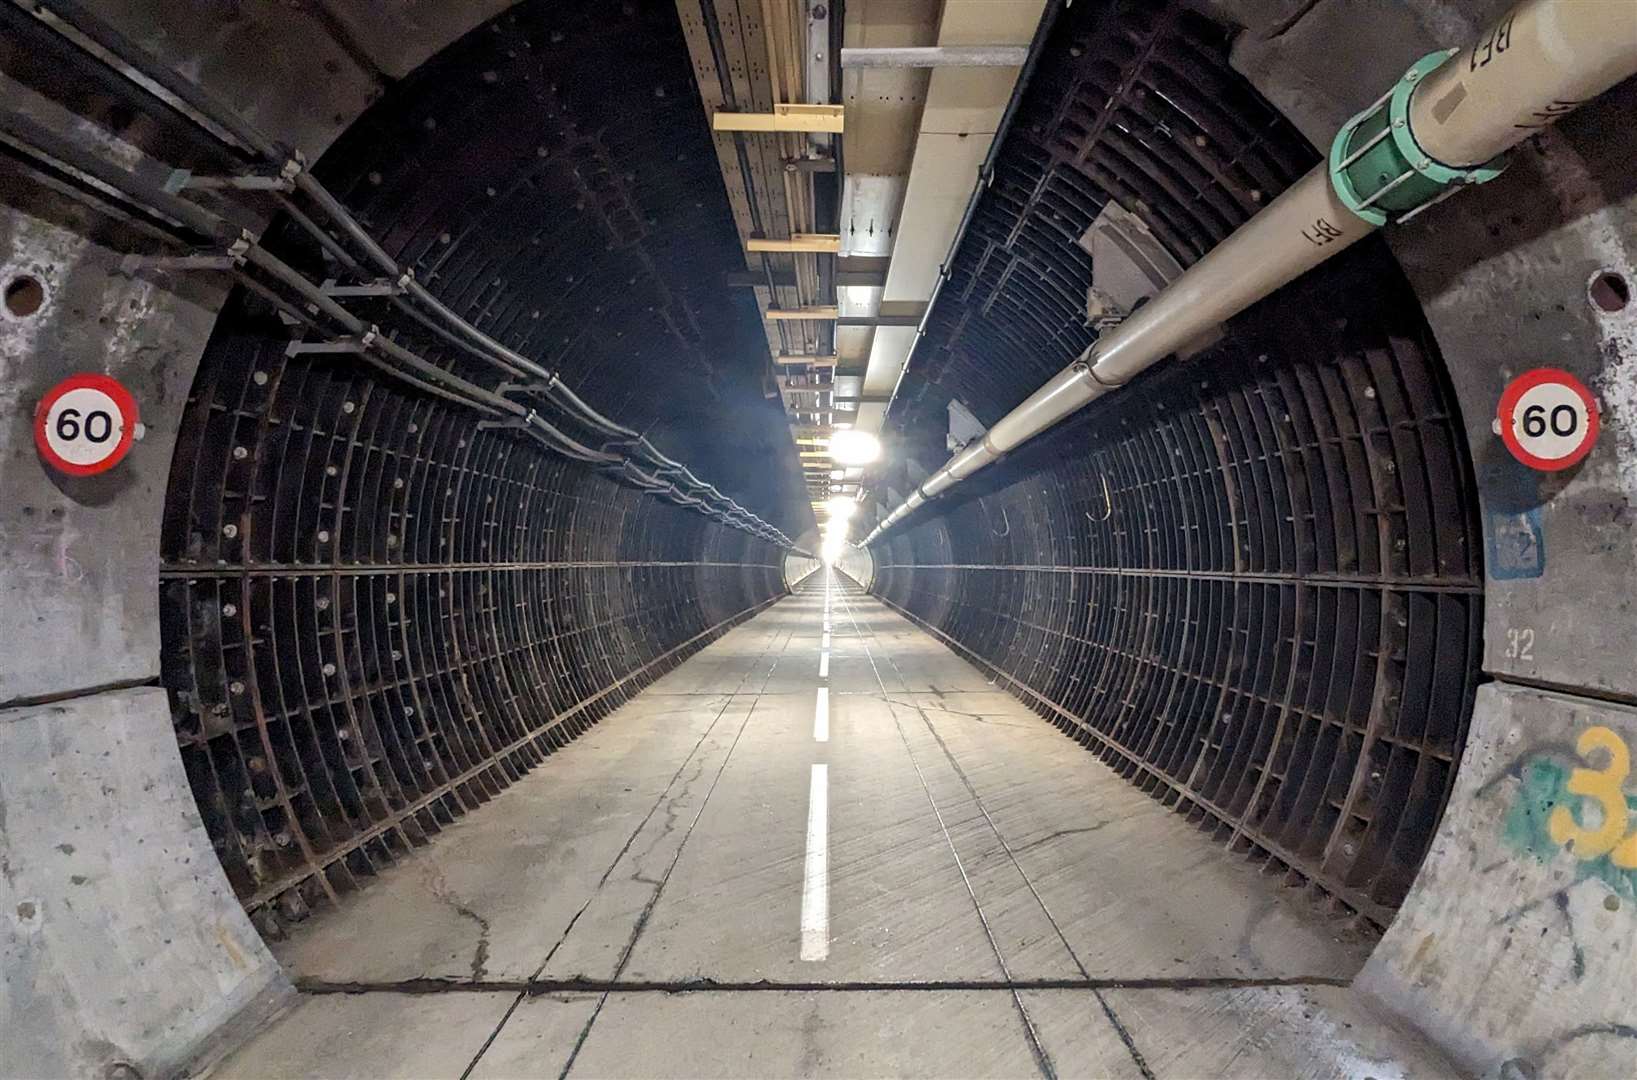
point(378, 287)
point(343, 345)
point(184, 180)
point(130, 264)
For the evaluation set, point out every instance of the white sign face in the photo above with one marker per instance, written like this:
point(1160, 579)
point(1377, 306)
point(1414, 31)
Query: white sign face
point(1548, 419)
point(85, 425)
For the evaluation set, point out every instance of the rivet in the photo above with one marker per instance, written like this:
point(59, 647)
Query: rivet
point(347, 406)
point(392, 598)
point(229, 610)
point(235, 687)
point(230, 531)
point(240, 453)
point(331, 470)
point(259, 378)
point(329, 669)
point(323, 536)
point(398, 482)
point(322, 603)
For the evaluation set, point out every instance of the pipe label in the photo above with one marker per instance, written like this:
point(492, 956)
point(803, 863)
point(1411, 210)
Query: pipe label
point(1547, 419)
point(85, 424)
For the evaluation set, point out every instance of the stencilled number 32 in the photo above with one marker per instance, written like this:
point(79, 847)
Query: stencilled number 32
point(1605, 787)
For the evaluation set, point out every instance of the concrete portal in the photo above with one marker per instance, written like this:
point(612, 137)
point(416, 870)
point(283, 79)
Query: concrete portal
point(827, 846)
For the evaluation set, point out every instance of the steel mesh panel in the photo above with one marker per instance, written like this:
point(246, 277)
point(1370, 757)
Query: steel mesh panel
point(1251, 580)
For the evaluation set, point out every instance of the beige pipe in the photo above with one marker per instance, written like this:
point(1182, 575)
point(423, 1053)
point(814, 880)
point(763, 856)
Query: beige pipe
point(1535, 65)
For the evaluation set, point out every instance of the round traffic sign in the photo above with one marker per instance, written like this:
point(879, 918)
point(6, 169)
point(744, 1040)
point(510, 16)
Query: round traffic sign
point(85, 424)
point(1548, 419)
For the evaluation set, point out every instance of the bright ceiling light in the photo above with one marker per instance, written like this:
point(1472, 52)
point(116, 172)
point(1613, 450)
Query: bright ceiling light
point(854, 447)
point(841, 507)
point(838, 474)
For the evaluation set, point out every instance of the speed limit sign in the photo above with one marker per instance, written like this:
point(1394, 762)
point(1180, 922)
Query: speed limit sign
point(85, 424)
point(1548, 419)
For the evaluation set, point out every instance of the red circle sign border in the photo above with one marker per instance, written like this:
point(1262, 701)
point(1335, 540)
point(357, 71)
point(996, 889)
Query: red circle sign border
point(1509, 402)
point(86, 381)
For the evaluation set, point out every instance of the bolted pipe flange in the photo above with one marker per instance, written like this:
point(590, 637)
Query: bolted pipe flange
point(1379, 170)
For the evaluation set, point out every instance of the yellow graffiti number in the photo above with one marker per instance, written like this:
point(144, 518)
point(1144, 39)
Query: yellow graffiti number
point(1605, 786)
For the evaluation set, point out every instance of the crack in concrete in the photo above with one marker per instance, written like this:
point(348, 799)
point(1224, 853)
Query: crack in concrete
point(547, 987)
point(1062, 833)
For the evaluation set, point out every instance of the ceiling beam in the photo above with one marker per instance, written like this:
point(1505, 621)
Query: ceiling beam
point(786, 279)
point(801, 243)
point(936, 56)
point(818, 311)
point(792, 117)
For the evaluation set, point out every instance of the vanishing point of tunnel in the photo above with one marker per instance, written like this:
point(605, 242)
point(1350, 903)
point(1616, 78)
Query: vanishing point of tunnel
point(818, 538)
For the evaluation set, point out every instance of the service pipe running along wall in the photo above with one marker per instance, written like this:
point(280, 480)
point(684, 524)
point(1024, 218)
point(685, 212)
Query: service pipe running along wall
point(624, 453)
point(1536, 65)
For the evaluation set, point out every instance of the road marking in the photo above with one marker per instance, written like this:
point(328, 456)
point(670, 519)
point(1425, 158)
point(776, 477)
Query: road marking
point(815, 885)
point(826, 642)
point(824, 663)
point(821, 715)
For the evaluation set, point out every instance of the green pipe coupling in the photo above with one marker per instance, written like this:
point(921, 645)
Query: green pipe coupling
point(1378, 169)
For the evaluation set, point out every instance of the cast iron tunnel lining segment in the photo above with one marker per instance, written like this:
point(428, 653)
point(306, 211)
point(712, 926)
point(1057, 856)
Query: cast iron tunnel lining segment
point(378, 613)
point(1252, 581)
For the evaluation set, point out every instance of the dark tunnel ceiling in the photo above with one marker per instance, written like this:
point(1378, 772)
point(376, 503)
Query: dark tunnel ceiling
point(551, 177)
point(1251, 581)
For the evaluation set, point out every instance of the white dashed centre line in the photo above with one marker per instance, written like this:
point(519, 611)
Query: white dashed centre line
point(824, 663)
point(821, 715)
point(815, 885)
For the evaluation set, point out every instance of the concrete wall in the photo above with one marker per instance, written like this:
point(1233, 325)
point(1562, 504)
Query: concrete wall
point(121, 941)
point(1516, 942)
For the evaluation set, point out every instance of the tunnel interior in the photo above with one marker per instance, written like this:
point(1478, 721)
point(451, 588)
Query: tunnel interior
point(463, 596)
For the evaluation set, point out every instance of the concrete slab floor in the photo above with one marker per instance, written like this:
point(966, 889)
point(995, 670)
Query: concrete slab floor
point(889, 868)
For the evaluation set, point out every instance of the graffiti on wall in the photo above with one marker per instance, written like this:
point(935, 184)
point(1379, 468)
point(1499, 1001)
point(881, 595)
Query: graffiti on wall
point(1580, 806)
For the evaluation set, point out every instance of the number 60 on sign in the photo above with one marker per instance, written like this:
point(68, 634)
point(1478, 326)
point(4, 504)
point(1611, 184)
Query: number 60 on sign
point(1547, 419)
point(85, 424)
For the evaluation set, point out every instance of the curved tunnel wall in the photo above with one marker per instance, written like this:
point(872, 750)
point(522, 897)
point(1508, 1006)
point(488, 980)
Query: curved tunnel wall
point(409, 613)
point(1250, 582)
point(379, 609)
